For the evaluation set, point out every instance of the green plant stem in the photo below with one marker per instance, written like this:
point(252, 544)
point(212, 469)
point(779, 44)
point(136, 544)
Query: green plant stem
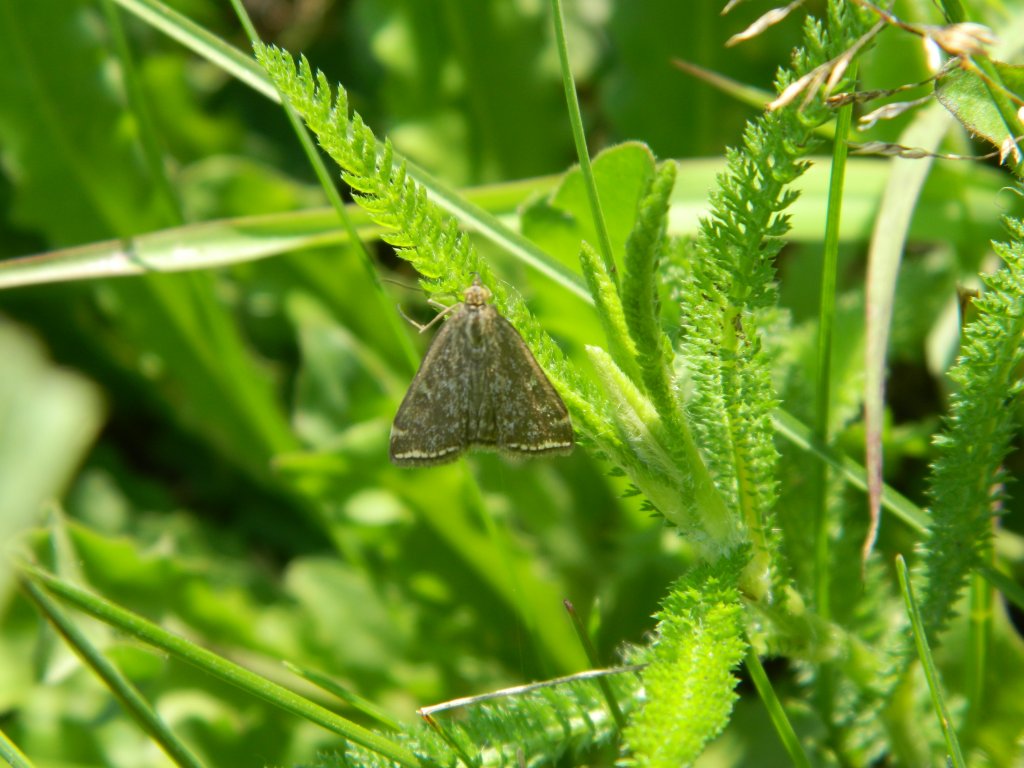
point(979, 634)
point(119, 685)
point(790, 741)
point(823, 389)
point(592, 657)
point(219, 667)
point(954, 11)
point(580, 139)
point(928, 664)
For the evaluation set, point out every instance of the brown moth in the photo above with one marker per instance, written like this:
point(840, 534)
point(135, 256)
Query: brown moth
point(479, 386)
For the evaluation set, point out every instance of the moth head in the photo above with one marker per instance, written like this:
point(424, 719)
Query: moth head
point(477, 294)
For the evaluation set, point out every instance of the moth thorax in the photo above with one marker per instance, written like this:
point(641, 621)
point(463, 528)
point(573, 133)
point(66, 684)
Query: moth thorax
point(478, 328)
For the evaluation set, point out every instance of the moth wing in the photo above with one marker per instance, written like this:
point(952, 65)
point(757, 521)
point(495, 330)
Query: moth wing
point(431, 426)
point(530, 417)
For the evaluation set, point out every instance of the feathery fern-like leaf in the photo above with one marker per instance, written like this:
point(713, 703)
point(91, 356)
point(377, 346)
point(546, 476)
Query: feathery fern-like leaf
point(419, 231)
point(640, 292)
point(609, 308)
point(417, 228)
point(543, 726)
point(730, 298)
point(967, 480)
point(689, 683)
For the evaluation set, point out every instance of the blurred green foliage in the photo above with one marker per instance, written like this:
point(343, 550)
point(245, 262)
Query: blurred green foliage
point(239, 490)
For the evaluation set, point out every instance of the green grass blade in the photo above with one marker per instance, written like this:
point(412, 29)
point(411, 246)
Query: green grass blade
point(200, 246)
point(368, 708)
point(800, 435)
point(784, 728)
point(223, 242)
point(595, 662)
point(9, 751)
point(928, 663)
point(129, 696)
point(194, 37)
point(823, 360)
point(887, 244)
point(281, 697)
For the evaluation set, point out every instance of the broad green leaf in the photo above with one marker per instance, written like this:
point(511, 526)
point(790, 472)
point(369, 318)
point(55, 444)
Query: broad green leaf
point(48, 418)
point(560, 222)
point(969, 97)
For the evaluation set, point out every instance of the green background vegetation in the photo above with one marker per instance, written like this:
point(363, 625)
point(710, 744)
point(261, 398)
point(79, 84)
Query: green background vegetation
point(217, 438)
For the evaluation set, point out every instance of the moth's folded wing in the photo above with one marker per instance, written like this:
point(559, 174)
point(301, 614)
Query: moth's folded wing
point(430, 426)
point(531, 418)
